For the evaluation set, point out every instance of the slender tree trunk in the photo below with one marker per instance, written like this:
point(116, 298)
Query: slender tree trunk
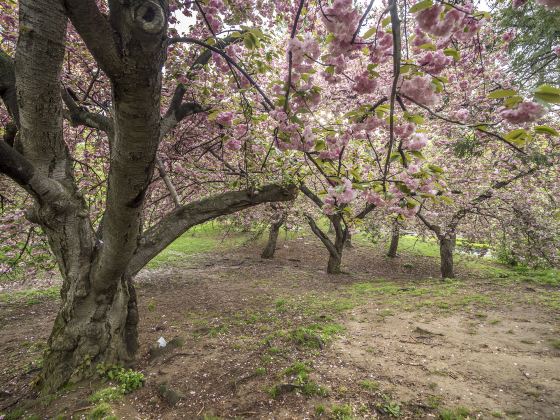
point(335, 255)
point(395, 235)
point(446, 248)
point(348, 242)
point(270, 247)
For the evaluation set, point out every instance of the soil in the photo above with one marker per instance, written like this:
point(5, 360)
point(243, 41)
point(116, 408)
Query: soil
point(386, 339)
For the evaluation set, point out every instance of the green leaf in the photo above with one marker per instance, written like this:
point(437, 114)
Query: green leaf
point(516, 134)
point(549, 94)
point(418, 7)
point(502, 93)
point(417, 154)
point(369, 33)
point(435, 169)
point(452, 52)
point(429, 46)
point(416, 119)
point(386, 21)
point(512, 101)
point(545, 129)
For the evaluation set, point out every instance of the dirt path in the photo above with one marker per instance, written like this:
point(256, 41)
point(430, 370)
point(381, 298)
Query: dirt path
point(281, 339)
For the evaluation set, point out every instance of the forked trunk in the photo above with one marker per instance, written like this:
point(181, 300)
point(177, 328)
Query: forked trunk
point(270, 247)
point(394, 246)
point(446, 248)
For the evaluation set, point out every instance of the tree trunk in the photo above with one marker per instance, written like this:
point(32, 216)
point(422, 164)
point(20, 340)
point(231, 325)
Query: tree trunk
point(348, 242)
point(92, 329)
point(270, 247)
point(446, 248)
point(340, 238)
point(395, 235)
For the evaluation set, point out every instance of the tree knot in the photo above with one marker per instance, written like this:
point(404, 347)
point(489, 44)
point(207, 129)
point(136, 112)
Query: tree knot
point(149, 16)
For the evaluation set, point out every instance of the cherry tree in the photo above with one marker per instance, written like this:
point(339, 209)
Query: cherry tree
point(97, 322)
point(119, 118)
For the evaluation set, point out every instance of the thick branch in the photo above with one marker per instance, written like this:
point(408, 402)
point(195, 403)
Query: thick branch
point(8, 85)
point(311, 195)
point(434, 228)
point(180, 220)
point(367, 210)
point(168, 183)
point(97, 33)
point(18, 168)
point(80, 116)
point(321, 235)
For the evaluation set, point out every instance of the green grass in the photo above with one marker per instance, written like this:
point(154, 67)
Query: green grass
point(417, 246)
point(457, 413)
point(315, 335)
point(109, 394)
point(30, 296)
point(199, 239)
point(369, 385)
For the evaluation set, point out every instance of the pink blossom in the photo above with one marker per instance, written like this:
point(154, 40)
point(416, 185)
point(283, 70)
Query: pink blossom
point(364, 84)
point(434, 63)
point(416, 142)
point(225, 118)
point(374, 198)
point(233, 144)
point(404, 130)
point(420, 89)
point(509, 35)
point(461, 115)
point(524, 112)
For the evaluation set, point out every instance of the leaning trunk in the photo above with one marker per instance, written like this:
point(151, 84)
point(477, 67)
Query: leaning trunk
point(270, 248)
point(395, 235)
point(446, 248)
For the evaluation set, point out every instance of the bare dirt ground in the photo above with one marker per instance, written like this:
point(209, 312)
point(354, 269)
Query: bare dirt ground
point(280, 339)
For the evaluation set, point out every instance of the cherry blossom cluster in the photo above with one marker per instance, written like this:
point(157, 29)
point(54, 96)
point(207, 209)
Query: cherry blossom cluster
point(525, 112)
point(420, 89)
point(339, 195)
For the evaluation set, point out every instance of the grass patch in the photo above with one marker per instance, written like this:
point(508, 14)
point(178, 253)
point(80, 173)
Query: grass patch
point(298, 376)
point(101, 411)
point(457, 413)
point(369, 385)
point(315, 335)
point(31, 296)
point(109, 394)
point(341, 412)
point(199, 239)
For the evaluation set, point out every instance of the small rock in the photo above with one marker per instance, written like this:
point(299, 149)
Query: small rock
point(171, 396)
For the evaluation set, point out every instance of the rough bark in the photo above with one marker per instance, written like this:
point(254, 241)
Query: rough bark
point(446, 248)
point(270, 248)
point(348, 242)
point(395, 235)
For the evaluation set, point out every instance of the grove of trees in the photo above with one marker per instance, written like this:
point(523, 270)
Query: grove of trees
point(125, 123)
